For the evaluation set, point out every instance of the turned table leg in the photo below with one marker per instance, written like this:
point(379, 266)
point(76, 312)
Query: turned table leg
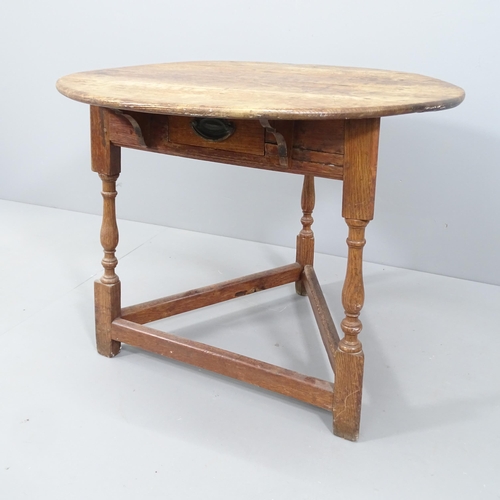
point(349, 357)
point(305, 239)
point(106, 162)
point(107, 289)
point(358, 199)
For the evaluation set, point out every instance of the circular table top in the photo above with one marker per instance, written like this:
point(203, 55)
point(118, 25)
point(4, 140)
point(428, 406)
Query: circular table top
point(260, 90)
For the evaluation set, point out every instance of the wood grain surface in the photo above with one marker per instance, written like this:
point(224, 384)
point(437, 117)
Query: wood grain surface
point(360, 168)
point(213, 294)
point(260, 90)
point(321, 312)
point(311, 390)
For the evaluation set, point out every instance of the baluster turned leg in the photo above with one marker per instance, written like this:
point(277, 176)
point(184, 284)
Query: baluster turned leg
point(305, 239)
point(358, 200)
point(106, 162)
point(349, 357)
point(107, 289)
point(109, 229)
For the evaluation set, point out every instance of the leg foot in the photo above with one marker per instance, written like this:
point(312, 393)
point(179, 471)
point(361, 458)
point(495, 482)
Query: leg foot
point(347, 394)
point(107, 309)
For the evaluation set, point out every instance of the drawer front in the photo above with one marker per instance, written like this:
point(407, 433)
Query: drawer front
point(248, 136)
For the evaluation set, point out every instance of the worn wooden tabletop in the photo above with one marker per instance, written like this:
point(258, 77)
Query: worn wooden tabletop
point(260, 90)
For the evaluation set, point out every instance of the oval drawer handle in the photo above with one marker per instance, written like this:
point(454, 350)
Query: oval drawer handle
point(213, 129)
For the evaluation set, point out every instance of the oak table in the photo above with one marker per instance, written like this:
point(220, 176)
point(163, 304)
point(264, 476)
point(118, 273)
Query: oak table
point(315, 121)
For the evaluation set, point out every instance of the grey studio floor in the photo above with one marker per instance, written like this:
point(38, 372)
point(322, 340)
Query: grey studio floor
point(75, 425)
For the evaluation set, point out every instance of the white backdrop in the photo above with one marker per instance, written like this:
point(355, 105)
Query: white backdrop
point(437, 204)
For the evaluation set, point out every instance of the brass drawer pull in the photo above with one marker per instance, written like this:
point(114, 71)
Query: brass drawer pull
point(213, 129)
